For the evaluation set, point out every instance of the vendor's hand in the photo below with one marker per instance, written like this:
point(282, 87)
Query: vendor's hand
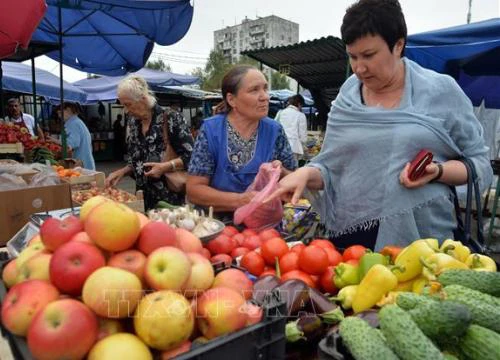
point(114, 178)
point(278, 163)
point(246, 197)
point(431, 171)
point(155, 169)
point(291, 187)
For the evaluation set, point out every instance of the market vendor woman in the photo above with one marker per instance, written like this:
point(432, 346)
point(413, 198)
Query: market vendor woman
point(232, 145)
point(148, 124)
point(384, 114)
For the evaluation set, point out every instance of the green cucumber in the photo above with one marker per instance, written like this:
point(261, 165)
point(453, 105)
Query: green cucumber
point(485, 281)
point(480, 343)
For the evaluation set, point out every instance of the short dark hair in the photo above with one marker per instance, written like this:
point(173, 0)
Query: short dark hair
point(296, 100)
point(374, 17)
point(231, 82)
point(74, 107)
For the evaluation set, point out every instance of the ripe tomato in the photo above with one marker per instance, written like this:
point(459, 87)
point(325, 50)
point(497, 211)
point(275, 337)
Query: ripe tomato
point(252, 242)
point(222, 244)
point(268, 271)
point(334, 257)
point(289, 262)
point(323, 243)
point(354, 262)
point(272, 249)
point(299, 275)
point(239, 251)
point(268, 234)
point(313, 260)
point(353, 252)
point(298, 248)
point(239, 238)
point(253, 262)
point(225, 258)
point(326, 281)
point(249, 232)
point(230, 231)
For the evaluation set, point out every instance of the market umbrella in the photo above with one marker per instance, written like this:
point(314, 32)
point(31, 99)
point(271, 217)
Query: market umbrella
point(16, 30)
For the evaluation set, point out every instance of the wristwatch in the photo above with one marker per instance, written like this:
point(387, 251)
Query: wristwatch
point(172, 162)
point(439, 174)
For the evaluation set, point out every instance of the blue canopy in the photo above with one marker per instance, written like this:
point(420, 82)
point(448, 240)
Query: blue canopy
point(17, 77)
point(104, 88)
point(112, 37)
point(285, 94)
point(469, 53)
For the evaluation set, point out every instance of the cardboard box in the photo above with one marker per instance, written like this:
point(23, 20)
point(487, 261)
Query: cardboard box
point(16, 206)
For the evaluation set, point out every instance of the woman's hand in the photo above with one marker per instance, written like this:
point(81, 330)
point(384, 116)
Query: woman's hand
point(291, 187)
point(246, 197)
point(431, 171)
point(114, 178)
point(156, 169)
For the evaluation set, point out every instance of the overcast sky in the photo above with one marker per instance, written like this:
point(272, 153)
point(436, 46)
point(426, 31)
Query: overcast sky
point(316, 18)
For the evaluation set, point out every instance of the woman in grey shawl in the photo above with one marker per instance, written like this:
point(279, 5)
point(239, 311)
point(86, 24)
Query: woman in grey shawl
point(384, 114)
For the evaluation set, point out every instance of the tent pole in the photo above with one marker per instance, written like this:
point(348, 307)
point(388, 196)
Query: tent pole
point(33, 82)
point(61, 85)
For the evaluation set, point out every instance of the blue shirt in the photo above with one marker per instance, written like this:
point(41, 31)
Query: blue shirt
point(78, 138)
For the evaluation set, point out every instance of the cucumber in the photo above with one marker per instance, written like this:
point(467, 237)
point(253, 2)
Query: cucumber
point(485, 281)
point(404, 336)
point(363, 341)
point(480, 343)
point(442, 321)
point(409, 300)
point(483, 313)
point(485, 298)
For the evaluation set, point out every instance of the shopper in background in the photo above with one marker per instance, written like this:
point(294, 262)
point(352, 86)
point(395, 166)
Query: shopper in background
point(119, 143)
point(384, 114)
point(147, 125)
point(16, 116)
point(294, 122)
point(233, 144)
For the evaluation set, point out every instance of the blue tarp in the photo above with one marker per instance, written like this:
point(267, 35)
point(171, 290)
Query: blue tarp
point(285, 94)
point(104, 88)
point(17, 77)
point(469, 53)
point(113, 37)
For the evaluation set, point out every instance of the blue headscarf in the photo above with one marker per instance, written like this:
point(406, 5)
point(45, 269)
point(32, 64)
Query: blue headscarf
point(365, 148)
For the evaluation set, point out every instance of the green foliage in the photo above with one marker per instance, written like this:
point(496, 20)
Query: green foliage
point(279, 81)
point(214, 71)
point(158, 65)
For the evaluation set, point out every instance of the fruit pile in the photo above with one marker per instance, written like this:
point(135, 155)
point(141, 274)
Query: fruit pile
point(80, 196)
point(81, 282)
point(66, 173)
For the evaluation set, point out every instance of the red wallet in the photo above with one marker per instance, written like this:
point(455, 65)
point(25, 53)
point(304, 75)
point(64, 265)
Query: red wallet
point(418, 164)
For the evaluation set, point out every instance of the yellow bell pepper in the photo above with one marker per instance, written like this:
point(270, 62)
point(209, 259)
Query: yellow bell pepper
point(436, 263)
point(480, 262)
point(406, 285)
point(433, 243)
point(419, 284)
point(409, 259)
point(378, 281)
point(456, 249)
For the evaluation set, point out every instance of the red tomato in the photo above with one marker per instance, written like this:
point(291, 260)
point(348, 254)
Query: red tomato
point(253, 262)
point(239, 251)
point(206, 253)
point(298, 248)
point(289, 262)
point(268, 234)
point(315, 278)
point(354, 262)
point(230, 231)
point(299, 275)
point(239, 237)
point(272, 249)
point(222, 244)
point(252, 242)
point(353, 252)
point(326, 281)
point(225, 258)
point(313, 260)
point(249, 232)
point(323, 243)
point(334, 257)
point(268, 271)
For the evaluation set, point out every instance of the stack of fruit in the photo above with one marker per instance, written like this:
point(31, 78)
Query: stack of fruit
point(81, 282)
point(80, 196)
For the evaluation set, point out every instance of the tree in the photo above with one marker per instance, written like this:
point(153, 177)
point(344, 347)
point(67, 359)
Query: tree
point(279, 81)
point(158, 65)
point(246, 60)
point(214, 71)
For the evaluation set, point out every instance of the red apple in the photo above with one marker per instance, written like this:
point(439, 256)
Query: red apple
point(55, 232)
point(23, 301)
point(220, 311)
point(234, 279)
point(71, 265)
point(108, 327)
point(239, 251)
point(167, 268)
point(254, 313)
point(201, 277)
point(154, 235)
point(252, 242)
point(130, 260)
point(187, 241)
point(64, 329)
point(143, 219)
point(83, 237)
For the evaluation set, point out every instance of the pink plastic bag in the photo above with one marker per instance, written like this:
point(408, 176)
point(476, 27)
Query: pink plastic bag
point(256, 215)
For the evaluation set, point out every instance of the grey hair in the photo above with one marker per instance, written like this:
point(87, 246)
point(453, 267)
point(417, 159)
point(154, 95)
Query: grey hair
point(136, 87)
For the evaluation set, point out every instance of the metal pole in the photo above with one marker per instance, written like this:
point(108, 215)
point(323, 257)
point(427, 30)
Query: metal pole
point(469, 13)
point(33, 83)
point(61, 84)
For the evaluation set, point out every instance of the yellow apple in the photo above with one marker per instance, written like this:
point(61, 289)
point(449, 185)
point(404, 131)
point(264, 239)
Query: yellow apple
point(36, 267)
point(120, 346)
point(90, 204)
point(28, 252)
point(9, 273)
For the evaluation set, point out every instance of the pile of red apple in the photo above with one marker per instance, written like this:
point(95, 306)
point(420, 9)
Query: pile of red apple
point(261, 253)
point(114, 285)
